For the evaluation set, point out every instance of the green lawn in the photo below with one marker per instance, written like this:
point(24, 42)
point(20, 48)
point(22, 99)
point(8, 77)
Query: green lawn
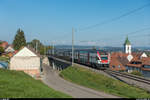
point(100, 82)
point(4, 59)
point(14, 84)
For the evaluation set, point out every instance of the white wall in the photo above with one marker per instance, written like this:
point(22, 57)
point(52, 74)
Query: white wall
point(18, 63)
point(128, 49)
point(143, 55)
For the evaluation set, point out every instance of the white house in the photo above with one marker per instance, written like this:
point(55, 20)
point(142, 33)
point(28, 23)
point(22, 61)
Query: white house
point(9, 49)
point(143, 55)
point(28, 61)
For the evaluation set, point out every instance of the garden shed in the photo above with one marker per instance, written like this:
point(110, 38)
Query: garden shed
point(27, 60)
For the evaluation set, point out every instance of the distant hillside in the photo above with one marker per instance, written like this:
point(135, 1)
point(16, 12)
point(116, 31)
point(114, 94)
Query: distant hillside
point(70, 47)
point(106, 48)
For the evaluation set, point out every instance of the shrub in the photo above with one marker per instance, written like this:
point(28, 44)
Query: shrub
point(136, 73)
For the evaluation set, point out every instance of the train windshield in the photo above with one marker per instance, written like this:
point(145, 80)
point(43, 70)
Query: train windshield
point(104, 58)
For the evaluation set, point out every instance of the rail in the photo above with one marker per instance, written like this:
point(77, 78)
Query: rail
point(115, 73)
point(133, 77)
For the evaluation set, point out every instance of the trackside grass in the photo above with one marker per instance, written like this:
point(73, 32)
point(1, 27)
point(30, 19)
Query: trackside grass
point(99, 82)
point(16, 84)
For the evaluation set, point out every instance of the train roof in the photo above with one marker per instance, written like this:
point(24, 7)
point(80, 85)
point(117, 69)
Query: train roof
point(84, 50)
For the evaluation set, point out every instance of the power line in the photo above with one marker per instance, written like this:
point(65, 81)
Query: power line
point(111, 20)
point(132, 33)
point(116, 18)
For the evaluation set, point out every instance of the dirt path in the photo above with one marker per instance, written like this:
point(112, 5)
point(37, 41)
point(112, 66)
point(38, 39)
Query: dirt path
point(52, 79)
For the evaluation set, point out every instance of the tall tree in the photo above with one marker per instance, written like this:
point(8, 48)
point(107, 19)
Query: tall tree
point(41, 48)
point(19, 40)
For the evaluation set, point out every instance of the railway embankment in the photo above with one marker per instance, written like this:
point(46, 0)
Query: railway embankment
point(129, 79)
point(133, 81)
point(97, 81)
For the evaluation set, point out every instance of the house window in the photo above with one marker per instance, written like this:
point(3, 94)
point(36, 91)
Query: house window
point(118, 66)
point(146, 66)
point(113, 66)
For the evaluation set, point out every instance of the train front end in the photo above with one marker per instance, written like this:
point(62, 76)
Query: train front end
point(103, 60)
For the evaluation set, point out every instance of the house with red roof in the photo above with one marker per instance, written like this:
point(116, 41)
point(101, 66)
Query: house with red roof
point(118, 60)
point(142, 65)
point(129, 61)
point(4, 44)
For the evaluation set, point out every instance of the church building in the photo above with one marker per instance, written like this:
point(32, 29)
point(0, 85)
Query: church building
point(127, 46)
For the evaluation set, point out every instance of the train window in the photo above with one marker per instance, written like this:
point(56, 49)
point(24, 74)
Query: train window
point(104, 58)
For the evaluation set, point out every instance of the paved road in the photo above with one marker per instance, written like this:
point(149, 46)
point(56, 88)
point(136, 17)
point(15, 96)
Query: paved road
point(52, 79)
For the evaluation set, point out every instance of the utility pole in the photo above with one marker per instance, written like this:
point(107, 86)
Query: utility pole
point(36, 46)
point(53, 47)
point(72, 46)
point(45, 49)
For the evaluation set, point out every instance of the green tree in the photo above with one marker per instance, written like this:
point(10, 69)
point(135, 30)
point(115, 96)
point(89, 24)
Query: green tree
point(1, 50)
point(34, 43)
point(40, 47)
point(19, 40)
point(134, 72)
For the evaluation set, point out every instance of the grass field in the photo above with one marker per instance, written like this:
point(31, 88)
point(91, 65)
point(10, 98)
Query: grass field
point(100, 82)
point(14, 84)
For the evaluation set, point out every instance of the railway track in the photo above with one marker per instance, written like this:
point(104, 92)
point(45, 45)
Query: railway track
point(133, 77)
point(121, 74)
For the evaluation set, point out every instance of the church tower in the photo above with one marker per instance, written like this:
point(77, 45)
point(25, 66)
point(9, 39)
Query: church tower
point(127, 46)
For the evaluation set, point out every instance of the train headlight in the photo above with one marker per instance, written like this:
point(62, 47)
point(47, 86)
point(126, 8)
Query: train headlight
point(98, 62)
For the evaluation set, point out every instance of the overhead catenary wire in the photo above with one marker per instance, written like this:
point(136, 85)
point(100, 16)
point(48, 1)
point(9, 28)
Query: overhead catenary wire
point(135, 32)
point(132, 34)
point(112, 20)
point(115, 18)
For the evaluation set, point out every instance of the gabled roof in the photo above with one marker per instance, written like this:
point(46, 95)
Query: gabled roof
point(134, 65)
point(143, 60)
point(127, 42)
point(33, 50)
point(26, 52)
point(118, 59)
point(146, 60)
point(137, 56)
point(4, 44)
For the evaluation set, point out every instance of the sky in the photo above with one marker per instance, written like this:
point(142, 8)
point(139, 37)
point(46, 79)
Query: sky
point(51, 21)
